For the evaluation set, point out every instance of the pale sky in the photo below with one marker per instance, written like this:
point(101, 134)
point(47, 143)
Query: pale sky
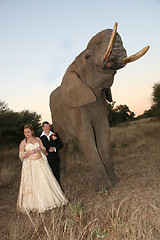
point(40, 39)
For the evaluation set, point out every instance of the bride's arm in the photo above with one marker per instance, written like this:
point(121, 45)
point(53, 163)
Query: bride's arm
point(42, 148)
point(22, 153)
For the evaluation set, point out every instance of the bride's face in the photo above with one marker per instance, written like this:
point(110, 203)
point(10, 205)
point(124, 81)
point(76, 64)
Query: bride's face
point(28, 133)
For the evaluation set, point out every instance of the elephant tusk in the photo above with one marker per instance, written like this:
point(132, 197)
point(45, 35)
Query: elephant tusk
point(110, 46)
point(135, 56)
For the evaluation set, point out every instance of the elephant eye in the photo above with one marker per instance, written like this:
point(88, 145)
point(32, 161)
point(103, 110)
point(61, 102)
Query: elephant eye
point(87, 56)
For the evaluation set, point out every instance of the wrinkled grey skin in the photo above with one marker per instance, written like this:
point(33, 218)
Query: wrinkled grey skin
point(78, 106)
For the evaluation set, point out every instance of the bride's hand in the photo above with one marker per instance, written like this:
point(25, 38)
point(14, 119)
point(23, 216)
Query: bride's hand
point(38, 149)
point(35, 150)
point(29, 153)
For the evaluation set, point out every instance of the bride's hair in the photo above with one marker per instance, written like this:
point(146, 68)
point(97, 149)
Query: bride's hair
point(29, 126)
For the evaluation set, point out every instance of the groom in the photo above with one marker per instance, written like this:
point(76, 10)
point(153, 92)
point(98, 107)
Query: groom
point(52, 144)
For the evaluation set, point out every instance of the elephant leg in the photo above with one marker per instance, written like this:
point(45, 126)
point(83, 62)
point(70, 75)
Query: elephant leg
point(62, 157)
point(63, 150)
point(102, 133)
point(88, 144)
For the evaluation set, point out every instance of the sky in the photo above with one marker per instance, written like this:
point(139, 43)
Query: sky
point(40, 39)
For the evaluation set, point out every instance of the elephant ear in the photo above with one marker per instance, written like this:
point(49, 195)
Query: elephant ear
point(74, 92)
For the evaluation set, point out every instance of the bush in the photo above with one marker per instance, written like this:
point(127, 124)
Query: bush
point(119, 114)
point(12, 124)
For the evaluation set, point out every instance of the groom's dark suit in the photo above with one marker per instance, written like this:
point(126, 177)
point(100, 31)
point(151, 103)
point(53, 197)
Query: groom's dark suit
point(53, 158)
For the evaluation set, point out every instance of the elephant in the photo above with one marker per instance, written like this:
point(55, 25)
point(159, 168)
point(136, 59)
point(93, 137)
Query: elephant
point(78, 105)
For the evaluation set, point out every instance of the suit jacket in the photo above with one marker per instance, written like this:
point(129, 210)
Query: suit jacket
point(52, 143)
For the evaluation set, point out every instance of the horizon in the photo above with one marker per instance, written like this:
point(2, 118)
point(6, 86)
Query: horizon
point(40, 40)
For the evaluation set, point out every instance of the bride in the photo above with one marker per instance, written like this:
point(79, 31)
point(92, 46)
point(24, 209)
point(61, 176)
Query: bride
point(39, 190)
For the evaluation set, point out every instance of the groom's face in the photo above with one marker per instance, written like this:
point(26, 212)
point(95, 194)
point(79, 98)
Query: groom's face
point(46, 128)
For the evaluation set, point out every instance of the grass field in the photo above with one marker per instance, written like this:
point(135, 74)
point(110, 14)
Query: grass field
point(131, 210)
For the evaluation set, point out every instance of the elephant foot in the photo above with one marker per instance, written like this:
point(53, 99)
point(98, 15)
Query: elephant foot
point(113, 178)
point(99, 185)
point(108, 185)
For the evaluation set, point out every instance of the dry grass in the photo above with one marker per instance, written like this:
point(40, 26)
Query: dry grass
point(136, 133)
point(121, 220)
point(129, 211)
point(9, 167)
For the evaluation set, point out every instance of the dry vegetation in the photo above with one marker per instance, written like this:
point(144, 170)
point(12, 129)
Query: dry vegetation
point(129, 211)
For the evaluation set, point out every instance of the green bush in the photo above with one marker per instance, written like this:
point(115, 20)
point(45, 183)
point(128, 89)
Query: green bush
point(119, 114)
point(12, 124)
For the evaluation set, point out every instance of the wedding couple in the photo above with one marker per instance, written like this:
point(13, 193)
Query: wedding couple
point(39, 188)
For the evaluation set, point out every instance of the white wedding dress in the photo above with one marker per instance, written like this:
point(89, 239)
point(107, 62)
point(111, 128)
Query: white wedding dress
point(39, 190)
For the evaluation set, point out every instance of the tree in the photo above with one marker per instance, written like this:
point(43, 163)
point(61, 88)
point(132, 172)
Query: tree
point(112, 114)
point(147, 114)
point(154, 111)
point(119, 114)
point(12, 124)
point(3, 107)
point(156, 100)
point(156, 93)
point(124, 113)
